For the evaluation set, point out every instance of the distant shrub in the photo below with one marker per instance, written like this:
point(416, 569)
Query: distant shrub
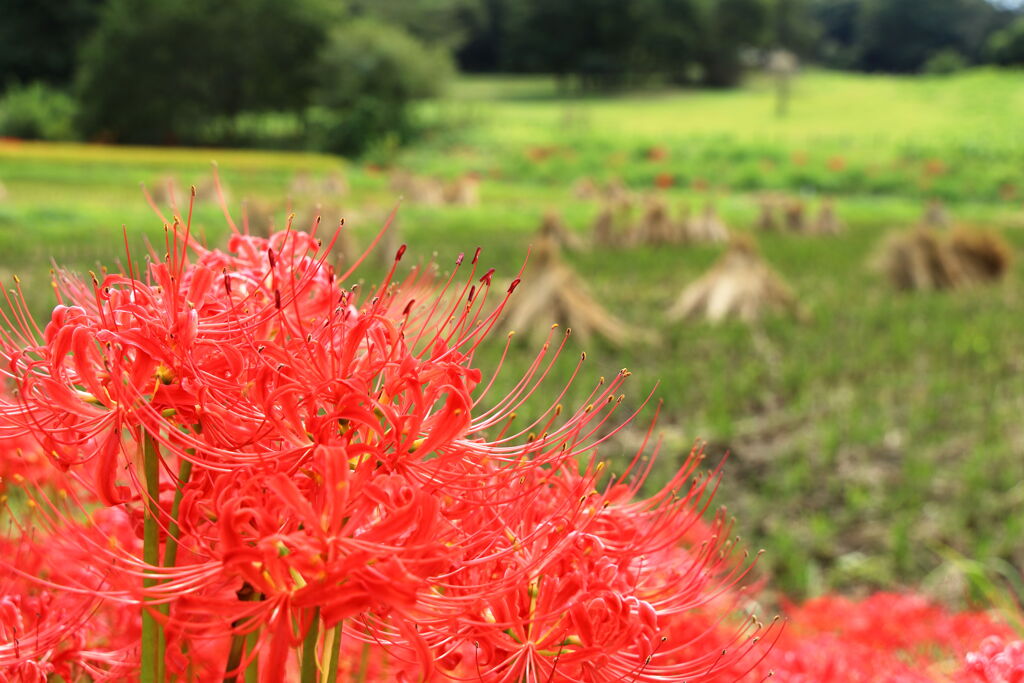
point(945, 62)
point(368, 75)
point(159, 72)
point(1006, 47)
point(37, 112)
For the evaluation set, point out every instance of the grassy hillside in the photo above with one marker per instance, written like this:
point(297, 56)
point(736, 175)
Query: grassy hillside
point(954, 137)
point(866, 437)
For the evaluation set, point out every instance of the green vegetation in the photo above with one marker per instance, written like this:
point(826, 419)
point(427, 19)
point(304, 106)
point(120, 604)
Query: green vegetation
point(951, 137)
point(339, 75)
point(1007, 45)
point(369, 74)
point(308, 74)
point(136, 84)
point(865, 439)
point(37, 112)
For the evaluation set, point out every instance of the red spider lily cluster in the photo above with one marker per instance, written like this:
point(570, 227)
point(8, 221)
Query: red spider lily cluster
point(892, 638)
point(251, 470)
point(235, 466)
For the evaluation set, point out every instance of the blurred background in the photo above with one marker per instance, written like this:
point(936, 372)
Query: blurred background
point(797, 218)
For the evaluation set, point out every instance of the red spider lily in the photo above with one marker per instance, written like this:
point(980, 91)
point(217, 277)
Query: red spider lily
point(896, 621)
point(21, 460)
point(995, 661)
point(886, 637)
point(52, 619)
point(595, 594)
point(323, 474)
point(299, 456)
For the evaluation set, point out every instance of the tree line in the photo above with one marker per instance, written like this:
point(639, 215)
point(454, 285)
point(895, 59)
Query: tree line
point(339, 74)
point(704, 41)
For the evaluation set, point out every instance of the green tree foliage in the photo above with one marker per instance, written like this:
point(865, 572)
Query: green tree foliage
point(610, 43)
point(40, 38)
point(837, 22)
point(155, 71)
point(793, 27)
point(588, 40)
point(901, 35)
point(729, 26)
point(1006, 47)
point(671, 36)
point(945, 62)
point(37, 112)
point(600, 42)
point(367, 75)
point(484, 48)
point(448, 23)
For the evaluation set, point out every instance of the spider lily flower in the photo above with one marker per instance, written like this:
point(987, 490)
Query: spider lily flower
point(53, 620)
point(887, 636)
point(312, 465)
point(995, 661)
point(588, 590)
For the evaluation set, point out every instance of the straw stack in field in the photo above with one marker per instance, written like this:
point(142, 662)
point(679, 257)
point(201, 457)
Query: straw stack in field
point(925, 259)
point(827, 222)
point(935, 215)
point(585, 188)
point(707, 227)
point(552, 292)
point(463, 191)
point(418, 189)
point(739, 285)
point(984, 255)
point(794, 215)
point(768, 208)
point(616, 193)
point(918, 260)
point(655, 226)
point(431, 191)
point(604, 231)
point(554, 228)
point(682, 223)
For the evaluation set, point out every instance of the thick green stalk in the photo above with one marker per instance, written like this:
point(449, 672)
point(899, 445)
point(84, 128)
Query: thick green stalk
point(234, 659)
point(308, 674)
point(173, 533)
point(364, 664)
point(252, 671)
point(331, 662)
point(152, 631)
point(173, 530)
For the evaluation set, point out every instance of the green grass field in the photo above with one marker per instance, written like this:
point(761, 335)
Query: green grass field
point(866, 439)
point(952, 137)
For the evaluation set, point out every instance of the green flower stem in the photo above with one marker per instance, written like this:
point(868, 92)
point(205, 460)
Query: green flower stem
point(241, 642)
point(308, 674)
point(173, 530)
point(152, 631)
point(364, 663)
point(234, 658)
point(253, 670)
point(331, 662)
